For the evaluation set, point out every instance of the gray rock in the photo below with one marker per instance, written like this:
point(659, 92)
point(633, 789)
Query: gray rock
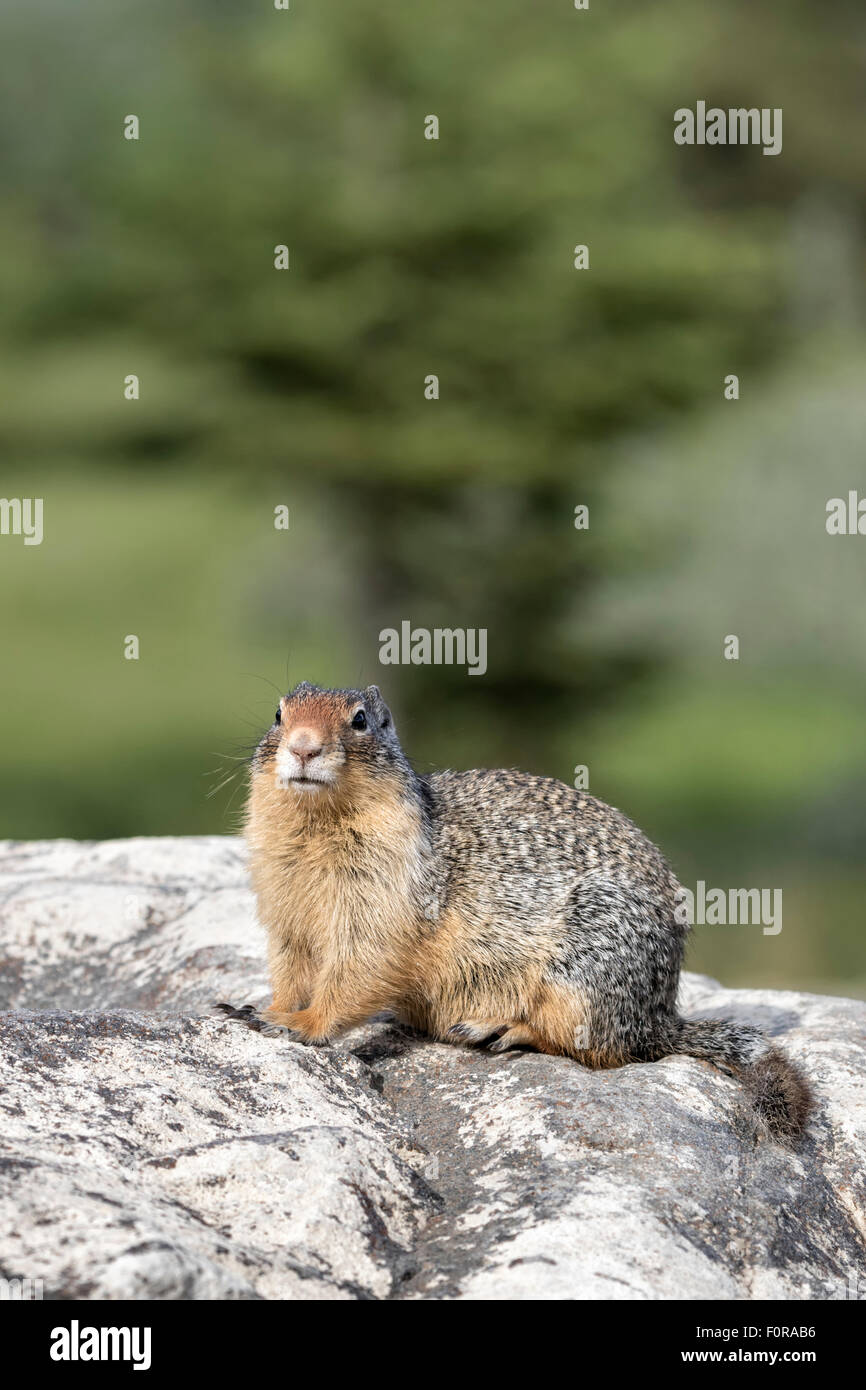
point(150, 1151)
point(154, 924)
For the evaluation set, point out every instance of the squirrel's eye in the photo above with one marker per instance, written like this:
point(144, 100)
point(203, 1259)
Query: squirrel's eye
point(277, 717)
point(360, 720)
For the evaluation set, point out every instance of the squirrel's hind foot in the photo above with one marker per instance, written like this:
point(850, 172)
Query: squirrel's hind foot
point(477, 1030)
point(498, 1036)
point(519, 1035)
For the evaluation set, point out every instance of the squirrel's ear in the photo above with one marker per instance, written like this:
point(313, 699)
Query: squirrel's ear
point(373, 695)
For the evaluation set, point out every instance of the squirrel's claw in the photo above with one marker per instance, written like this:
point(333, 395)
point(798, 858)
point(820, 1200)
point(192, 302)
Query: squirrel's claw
point(495, 1036)
point(518, 1035)
point(243, 1013)
point(251, 1018)
point(477, 1031)
point(258, 1022)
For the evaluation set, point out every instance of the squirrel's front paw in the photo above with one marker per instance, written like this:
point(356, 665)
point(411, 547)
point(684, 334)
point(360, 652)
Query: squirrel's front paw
point(305, 1026)
point(262, 1021)
point(245, 1014)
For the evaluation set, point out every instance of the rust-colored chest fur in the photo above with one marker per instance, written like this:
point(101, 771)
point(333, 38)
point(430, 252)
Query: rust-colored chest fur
point(335, 877)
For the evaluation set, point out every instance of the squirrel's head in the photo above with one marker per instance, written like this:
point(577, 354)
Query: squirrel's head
point(323, 740)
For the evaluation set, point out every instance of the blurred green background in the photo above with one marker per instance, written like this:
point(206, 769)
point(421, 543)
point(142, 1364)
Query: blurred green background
point(558, 387)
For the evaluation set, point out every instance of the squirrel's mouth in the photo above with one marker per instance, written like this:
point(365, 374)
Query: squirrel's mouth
point(302, 782)
point(307, 775)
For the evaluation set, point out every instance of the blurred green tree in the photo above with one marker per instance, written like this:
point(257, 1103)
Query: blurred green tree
point(408, 257)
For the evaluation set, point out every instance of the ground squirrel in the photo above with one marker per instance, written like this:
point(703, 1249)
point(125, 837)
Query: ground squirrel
point(480, 907)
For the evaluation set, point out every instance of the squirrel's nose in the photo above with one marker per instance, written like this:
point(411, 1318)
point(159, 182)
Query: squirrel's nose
point(305, 744)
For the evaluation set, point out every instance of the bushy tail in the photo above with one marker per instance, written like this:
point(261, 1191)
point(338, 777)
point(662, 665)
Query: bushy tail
point(779, 1092)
